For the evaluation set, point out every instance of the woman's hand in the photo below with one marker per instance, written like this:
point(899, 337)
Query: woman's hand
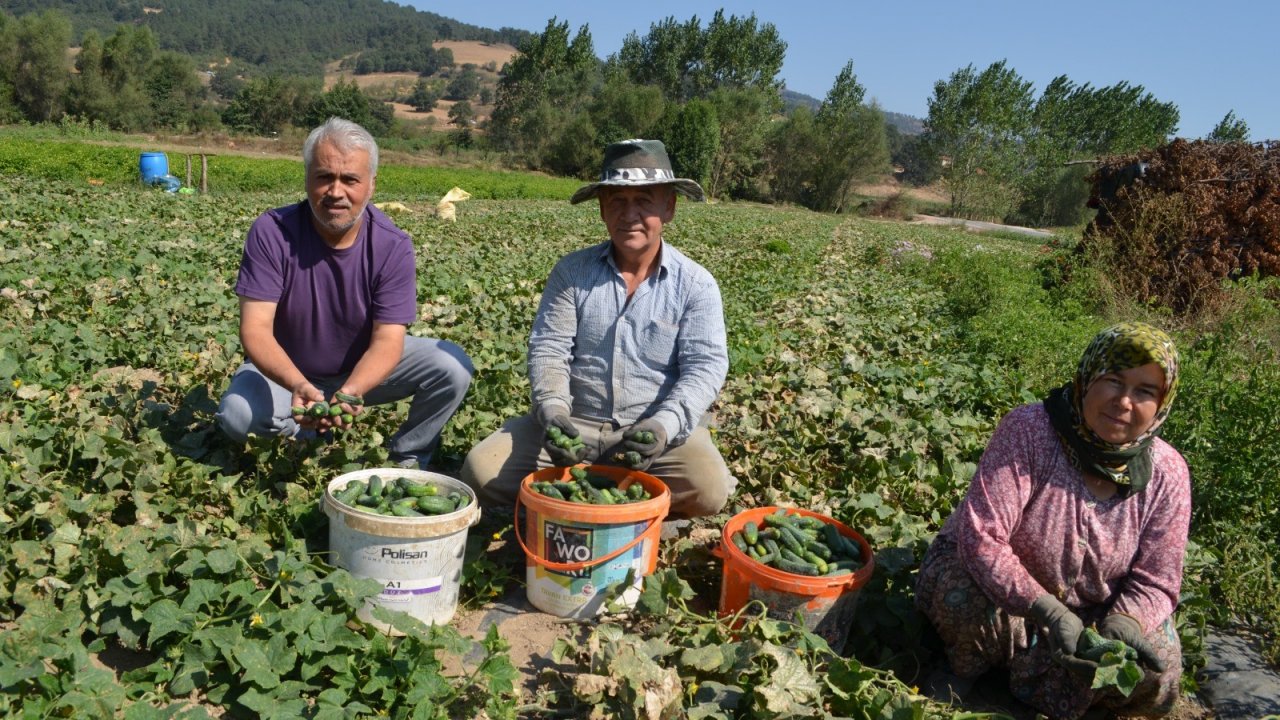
point(1064, 628)
point(1127, 630)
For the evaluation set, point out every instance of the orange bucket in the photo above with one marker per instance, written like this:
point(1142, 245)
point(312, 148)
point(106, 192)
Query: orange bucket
point(825, 605)
point(574, 552)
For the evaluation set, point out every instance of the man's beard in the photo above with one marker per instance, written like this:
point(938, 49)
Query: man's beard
point(336, 227)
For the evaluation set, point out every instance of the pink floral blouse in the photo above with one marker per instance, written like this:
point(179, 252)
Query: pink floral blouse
point(1028, 525)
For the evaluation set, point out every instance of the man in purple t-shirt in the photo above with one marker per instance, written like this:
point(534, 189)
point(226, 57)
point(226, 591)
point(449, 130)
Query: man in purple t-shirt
point(327, 290)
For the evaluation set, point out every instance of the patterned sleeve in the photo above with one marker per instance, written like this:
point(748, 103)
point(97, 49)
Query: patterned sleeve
point(992, 510)
point(1150, 592)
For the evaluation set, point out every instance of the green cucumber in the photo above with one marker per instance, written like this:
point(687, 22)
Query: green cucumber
point(348, 494)
point(435, 505)
point(797, 568)
point(414, 489)
point(549, 490)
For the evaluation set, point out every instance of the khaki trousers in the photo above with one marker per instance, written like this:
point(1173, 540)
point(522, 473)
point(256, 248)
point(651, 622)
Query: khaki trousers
point(694, 471)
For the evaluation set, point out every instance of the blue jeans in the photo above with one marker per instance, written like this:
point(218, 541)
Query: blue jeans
point(436, 373)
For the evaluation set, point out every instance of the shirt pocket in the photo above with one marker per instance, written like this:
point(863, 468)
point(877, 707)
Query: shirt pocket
point(657, 344)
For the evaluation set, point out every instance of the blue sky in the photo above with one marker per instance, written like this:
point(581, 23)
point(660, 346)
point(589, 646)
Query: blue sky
point(1206, 57)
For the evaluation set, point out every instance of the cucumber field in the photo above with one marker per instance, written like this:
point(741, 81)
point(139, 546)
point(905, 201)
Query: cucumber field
point(152, 568)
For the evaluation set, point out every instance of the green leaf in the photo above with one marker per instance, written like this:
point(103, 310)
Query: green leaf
point(165, 617)
point(706, 658)
point(255, 664)
point(790, 683)
point(222, 561)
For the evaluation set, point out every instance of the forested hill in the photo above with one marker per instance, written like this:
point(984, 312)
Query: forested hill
point(294, 37)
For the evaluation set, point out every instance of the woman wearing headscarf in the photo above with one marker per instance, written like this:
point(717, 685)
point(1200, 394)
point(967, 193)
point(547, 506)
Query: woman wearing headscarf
point(1077, 516)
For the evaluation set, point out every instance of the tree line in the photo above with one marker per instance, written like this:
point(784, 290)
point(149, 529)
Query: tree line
point(710, 91)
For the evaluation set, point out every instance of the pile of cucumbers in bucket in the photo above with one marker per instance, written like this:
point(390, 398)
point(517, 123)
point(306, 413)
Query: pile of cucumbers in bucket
point(588, 488)
point(400, 497)
point(799, 544)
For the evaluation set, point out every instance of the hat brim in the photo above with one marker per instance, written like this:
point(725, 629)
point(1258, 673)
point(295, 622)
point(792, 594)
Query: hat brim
point(683, 186)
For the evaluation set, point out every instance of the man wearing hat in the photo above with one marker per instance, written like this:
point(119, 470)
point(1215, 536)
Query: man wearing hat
point(627, 351)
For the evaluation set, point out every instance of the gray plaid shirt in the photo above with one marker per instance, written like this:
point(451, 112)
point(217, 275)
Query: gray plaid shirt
point(662, 355)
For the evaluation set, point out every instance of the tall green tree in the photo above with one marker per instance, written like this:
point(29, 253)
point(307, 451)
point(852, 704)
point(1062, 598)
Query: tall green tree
point(175, 91)
point(687, 62)
point(346, 100)
point(461, 114)
point(816, 159)
point(691, 133)
point(90, 95)
point(424, 97)
point(665, 58)
point(740, 52)
point(465, 85)
point(266, 105)
point(1072, 124)
point(853, 145)
point(42, 73)
point(1229, 129)
point(977, 123)
point(743, 115)
point(9, 111)
point(542, 89)
point(126, 59)
point(793, 151)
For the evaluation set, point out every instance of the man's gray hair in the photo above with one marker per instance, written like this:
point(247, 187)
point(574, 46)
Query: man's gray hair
point(346, 136)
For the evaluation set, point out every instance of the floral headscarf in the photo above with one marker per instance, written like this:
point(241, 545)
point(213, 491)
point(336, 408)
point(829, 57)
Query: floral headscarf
point(1118, 348)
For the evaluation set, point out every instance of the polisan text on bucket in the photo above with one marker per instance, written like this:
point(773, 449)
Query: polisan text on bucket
point(403, 554)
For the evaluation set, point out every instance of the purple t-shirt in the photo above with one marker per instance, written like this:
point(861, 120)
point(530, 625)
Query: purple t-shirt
point(327, 300)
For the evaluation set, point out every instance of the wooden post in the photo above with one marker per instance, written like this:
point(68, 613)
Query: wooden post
point(188, 171)
point(204, 173)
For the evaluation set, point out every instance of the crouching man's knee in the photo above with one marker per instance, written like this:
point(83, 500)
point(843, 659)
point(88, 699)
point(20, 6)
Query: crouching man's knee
point(235, 417)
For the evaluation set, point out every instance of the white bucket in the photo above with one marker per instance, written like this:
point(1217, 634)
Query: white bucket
point(418, 560)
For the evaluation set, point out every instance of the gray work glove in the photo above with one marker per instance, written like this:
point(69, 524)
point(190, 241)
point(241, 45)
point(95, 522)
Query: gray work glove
point(642, 443)
point(1127, 630)
point(561, 440)
point(1064, 629)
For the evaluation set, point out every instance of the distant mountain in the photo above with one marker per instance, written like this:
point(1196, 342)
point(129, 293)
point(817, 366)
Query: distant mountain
point(279, 36)
point(792, 100)
point(906, 124)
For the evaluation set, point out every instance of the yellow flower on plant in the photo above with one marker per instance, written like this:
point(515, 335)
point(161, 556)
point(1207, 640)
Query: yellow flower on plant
point(17, 383)
point(497, 535)
point(255, 621)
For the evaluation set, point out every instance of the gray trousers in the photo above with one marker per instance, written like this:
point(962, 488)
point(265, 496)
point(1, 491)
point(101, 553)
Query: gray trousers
point(436, 373)
point(694, 471)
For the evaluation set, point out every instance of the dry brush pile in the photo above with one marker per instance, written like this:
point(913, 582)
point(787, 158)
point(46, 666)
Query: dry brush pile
point(1196, 214)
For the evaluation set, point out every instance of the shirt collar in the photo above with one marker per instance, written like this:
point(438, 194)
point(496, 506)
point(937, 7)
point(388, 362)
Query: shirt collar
point(666, 260)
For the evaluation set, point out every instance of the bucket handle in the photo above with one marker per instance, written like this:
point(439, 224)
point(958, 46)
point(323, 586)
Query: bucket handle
point(583, 565)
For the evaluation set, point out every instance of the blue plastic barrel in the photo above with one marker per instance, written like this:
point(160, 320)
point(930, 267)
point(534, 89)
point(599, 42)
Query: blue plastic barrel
point(153, 165)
